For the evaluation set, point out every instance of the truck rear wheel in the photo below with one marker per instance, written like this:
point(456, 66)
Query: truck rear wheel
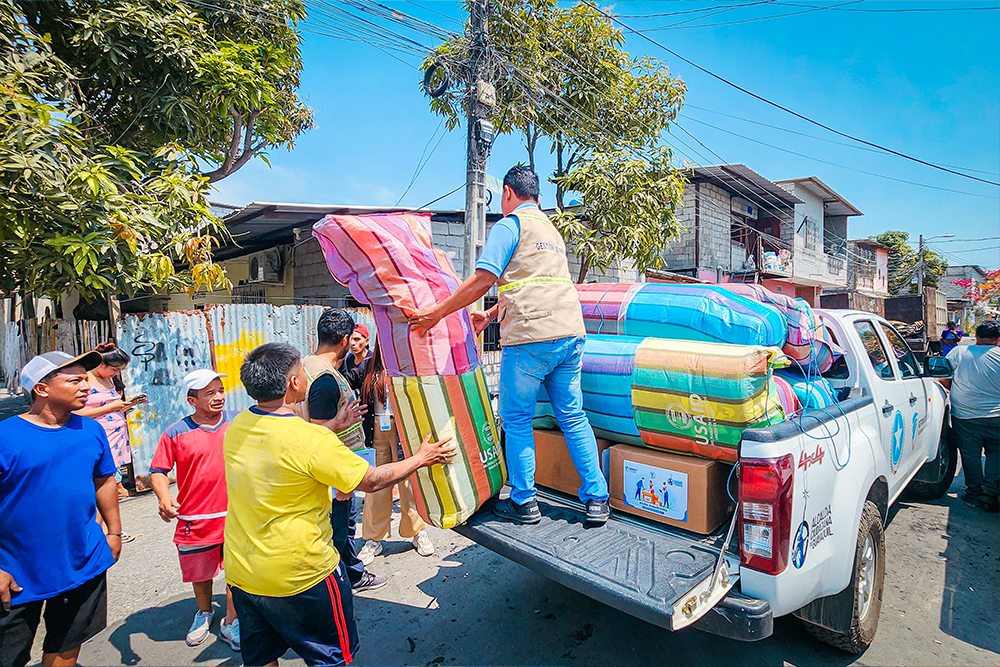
point(866, 583)
point(945, 465)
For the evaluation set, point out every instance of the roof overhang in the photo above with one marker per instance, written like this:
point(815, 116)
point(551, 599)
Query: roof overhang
point(744, 182)
point(262, 225)
point(868, 243)
point(833, 202)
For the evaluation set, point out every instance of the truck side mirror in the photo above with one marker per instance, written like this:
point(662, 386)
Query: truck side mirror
point(937, 367)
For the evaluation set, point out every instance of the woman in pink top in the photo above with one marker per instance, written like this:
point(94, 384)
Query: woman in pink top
point(108, 407)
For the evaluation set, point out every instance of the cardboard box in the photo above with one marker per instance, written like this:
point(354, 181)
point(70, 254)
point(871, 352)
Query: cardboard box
point(554, 467)
point(681, 491)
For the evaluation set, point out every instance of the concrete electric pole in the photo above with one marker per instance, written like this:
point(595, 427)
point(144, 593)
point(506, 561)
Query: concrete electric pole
point(481, 97)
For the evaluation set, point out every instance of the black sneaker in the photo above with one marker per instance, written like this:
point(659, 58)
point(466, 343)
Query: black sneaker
point(971, 498)
point(991, 505)
point(598, 512)
point(369, 582)
point(527, 513)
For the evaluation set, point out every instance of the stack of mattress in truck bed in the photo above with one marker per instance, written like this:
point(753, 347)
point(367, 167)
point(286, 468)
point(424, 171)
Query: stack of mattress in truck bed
point(684, 369)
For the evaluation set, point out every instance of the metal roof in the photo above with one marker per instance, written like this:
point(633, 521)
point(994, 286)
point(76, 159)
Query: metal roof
point(744, 182)
point(261, 225)
point(833, 202)
point(870, 243)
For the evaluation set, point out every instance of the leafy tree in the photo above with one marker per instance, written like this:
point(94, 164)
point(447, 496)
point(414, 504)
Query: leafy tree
point(115, 117)
point(217, 78)
point(565, 78)
point(904, 261)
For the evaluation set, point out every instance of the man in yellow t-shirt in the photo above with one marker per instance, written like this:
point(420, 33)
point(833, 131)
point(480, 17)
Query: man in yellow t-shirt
point(288, 585)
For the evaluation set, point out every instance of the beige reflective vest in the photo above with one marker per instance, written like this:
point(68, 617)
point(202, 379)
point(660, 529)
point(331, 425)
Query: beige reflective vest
point(538, 300)
point(316, 367)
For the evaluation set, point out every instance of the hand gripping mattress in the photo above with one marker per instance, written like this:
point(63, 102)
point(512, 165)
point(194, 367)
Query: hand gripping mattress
point(437, 386)
point(684, 396)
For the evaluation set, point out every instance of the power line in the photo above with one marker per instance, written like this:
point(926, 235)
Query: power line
point(784, 108)
point(834, 164)
point(718, 11)
point(759, 18)
point(688, 105)
point(421, 162)
point(681, 13)
point(908, 9)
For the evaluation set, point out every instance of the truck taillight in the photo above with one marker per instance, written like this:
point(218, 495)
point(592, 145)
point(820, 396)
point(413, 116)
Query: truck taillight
point(765, 518)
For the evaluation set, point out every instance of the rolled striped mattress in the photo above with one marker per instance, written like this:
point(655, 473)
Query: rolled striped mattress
point(436, 382)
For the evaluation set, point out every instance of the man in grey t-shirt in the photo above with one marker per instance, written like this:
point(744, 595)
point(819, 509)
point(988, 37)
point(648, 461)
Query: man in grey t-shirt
point(975, 415)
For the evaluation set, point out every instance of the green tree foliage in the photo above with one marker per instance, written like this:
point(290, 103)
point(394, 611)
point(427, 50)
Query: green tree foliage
point(564, 77)
point(104, 145)
point(904, 261)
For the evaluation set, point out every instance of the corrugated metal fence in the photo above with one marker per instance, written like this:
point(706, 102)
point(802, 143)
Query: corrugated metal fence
point(166, 346)
point(23, 339)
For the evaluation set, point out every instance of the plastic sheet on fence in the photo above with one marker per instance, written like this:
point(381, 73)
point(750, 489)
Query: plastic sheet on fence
point(390, 263)
point(437, 384)
point(685, 396)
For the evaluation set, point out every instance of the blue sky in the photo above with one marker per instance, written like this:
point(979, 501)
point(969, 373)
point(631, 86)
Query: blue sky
point(923, 83)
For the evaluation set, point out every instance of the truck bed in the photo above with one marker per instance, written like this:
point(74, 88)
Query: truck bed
point(642, 569)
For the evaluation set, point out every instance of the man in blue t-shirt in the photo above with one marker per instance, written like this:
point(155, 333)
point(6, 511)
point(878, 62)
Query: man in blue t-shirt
point(53, 553)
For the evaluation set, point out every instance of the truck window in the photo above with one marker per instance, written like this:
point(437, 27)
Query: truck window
point(904, 357)
point(874, 348)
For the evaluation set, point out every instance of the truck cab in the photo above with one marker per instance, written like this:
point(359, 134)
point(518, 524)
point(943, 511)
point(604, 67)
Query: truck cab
point(807, 535)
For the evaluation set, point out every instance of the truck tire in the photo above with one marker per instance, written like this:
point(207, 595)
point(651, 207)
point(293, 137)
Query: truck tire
point(866, 583)
point(946, 463)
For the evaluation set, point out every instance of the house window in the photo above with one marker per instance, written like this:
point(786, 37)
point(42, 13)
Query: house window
point(812, 234)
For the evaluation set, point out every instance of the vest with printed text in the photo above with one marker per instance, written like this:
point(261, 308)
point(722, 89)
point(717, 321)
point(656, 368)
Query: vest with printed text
point(316, 367)
point(538, 300)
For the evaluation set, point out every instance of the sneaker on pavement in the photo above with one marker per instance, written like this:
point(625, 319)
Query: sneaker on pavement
point(231, 633)
point(199, 630)
point(598, 512)
point(526, 514)
point(971, 498)
point(991, 505)
point(369, 582)
point(423, 544)
point(369, 551)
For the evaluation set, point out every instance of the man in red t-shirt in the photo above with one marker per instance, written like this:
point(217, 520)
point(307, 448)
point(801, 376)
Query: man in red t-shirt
point(194, 446)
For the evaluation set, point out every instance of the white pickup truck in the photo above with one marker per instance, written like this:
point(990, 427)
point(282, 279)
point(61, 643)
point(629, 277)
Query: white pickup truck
point(807, 537)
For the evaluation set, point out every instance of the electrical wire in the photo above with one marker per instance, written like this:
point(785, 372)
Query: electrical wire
point(421, 162)
point(784, 108)
point(688, 105)
point(759, 18)
point(834, 164)
point(908, 9)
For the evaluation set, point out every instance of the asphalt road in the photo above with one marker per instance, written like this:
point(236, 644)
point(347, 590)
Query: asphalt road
point(467, 606)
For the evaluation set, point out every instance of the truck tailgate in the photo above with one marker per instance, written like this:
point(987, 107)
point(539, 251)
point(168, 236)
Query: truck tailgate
point(660, 576)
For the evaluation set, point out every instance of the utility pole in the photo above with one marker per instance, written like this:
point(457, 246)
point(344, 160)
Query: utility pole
point(481, 97)
point(920, 266)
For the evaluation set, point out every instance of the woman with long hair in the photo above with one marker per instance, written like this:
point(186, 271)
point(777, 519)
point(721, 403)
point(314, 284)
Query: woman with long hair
point(377, 519)
point(107, 405)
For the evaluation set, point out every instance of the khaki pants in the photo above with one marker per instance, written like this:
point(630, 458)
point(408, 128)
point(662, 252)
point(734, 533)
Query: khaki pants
point(378, 505)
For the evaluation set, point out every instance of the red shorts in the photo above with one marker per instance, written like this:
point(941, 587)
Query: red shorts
point(200, 563)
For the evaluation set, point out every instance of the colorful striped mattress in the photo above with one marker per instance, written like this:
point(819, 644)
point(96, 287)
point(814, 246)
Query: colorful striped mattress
point(684, 396)
point(390, 263)
point(436, 383)
point(727, 313)
point(816, 392)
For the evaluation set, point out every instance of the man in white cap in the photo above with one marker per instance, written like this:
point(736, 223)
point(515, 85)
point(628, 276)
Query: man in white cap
point(194, 446)
point(53, 554)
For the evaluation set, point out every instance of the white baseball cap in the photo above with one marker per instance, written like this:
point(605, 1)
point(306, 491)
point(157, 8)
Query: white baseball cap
point(43, 364)
point(199, 379)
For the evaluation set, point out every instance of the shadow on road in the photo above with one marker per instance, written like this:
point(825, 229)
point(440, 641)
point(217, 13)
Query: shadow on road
point(972, 573)
point(481, 615)
point(169, 624)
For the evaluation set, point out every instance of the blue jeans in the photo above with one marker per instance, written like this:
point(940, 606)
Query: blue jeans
point(523, 370)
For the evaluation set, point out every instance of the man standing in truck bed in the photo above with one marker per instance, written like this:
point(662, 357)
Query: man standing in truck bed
point(542, 333)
